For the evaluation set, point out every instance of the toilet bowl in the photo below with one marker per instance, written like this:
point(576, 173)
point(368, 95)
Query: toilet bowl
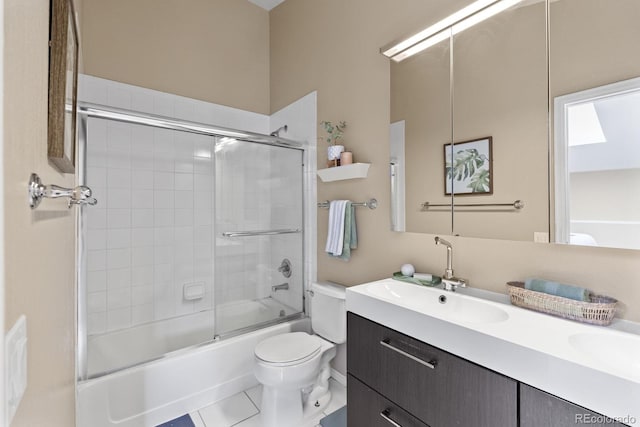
point(294, 367)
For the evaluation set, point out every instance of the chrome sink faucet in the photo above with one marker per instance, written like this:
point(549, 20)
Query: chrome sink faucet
point(449, 281)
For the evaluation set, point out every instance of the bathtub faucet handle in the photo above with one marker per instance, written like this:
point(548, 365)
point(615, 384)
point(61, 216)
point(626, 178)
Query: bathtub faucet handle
point(285, 268)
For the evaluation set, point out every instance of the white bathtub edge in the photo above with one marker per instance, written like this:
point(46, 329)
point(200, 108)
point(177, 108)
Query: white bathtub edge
point(154, 393)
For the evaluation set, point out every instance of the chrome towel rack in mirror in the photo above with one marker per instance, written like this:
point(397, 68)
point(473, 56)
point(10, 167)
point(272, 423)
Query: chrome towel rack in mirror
point(80, 195)
point(518, 204)
point(371, 204)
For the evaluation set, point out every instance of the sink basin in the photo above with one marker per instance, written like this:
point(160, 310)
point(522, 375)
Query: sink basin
point(438, 303)
point(618, 352)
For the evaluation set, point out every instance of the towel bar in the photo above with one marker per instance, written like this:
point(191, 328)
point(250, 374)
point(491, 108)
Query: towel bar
point(259, 232)
point(518, 204)
point(371, 204)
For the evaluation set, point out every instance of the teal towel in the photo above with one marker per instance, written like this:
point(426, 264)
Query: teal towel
point(435, 280)
point(559, 289)
point(350, 235)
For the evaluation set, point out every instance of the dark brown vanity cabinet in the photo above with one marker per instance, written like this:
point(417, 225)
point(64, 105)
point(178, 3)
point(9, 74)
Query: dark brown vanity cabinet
point(368, 408)
point(540, 409)
point(396, 380)
point(411, 377)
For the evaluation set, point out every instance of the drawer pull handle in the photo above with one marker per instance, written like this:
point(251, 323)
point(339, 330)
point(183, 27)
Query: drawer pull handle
point(431, 364)
point(385, 414)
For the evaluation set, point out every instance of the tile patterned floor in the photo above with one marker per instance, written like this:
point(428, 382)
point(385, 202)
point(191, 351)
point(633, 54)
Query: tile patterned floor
point(243, 409)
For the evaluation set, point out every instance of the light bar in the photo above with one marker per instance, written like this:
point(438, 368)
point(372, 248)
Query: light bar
point(466, 17)
point(423, 45)
point(438, 26)
point(483, 15)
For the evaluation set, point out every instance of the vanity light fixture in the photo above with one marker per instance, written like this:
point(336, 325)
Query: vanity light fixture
point(466, 17)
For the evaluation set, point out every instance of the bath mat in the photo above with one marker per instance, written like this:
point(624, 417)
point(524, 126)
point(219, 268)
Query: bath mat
point(183, 421)
point(335, 419)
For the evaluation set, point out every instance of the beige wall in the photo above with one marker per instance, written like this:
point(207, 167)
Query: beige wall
point(212, 50)
point(313, 47)
point(39, 245)
point(600, 48)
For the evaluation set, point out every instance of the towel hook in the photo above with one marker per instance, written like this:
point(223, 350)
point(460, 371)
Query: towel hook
point(80, 195)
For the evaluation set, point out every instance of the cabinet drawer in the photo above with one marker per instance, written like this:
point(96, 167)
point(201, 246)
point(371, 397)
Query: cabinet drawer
point(540, 409)
point(369, 409)
point(437, 387)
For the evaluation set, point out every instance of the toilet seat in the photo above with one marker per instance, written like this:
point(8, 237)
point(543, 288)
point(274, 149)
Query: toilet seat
point(288, 349)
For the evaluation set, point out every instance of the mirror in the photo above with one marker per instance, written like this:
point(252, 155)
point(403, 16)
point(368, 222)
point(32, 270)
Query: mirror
point(596, 105)
point(500, 91)
point(504, 86)
point(420, 126)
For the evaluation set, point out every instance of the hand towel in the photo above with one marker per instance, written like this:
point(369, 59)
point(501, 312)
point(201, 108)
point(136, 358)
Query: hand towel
point(335, 232)
point(559, 289)
point(350, 240)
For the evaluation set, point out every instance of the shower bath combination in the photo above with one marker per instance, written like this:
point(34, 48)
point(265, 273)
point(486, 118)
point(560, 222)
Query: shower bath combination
point(181, 263)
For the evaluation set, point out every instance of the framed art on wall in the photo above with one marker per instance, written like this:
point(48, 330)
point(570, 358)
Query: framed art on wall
point(63, 85)
point(470, 171)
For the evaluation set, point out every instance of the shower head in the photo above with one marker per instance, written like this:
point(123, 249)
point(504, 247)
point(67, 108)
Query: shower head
point(276, 132)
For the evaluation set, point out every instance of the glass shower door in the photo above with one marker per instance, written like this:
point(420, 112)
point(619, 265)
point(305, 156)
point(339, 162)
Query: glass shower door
point(259, 239)
point(148, 243)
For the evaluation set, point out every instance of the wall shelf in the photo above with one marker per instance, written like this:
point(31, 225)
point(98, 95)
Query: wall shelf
point(339, 173)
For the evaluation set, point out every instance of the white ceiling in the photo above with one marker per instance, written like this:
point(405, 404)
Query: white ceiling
point(266, 4)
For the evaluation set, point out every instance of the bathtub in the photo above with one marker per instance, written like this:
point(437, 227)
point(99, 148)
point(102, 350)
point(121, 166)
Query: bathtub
point(111, 351)
point(155, 392)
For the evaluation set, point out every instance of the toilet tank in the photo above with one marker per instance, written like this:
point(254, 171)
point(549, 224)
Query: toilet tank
point(328, 311)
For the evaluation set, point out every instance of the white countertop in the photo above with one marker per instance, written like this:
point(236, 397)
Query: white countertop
point(530, 347)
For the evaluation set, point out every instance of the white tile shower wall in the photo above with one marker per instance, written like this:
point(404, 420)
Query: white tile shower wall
point(142, 244)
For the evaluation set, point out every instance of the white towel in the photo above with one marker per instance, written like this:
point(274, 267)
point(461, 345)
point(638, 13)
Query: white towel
point(335, 233)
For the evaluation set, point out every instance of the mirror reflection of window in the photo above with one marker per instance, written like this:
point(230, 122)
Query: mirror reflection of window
point(602, 145)
point(583, 125)
point(396, 174)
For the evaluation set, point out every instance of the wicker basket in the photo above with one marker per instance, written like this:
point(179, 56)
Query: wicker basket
point(599, 311)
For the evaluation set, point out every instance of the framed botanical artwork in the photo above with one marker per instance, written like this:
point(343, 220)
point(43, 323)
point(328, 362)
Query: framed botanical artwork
point(468, 167)
point(63, 85)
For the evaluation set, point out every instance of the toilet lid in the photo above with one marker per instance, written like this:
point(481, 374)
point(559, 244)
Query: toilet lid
point(288, 348)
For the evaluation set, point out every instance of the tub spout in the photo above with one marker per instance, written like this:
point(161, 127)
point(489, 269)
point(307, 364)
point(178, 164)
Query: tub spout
point(281, 287)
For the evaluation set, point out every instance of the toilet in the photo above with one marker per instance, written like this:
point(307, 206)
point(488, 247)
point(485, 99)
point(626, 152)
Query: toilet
point(294, 367)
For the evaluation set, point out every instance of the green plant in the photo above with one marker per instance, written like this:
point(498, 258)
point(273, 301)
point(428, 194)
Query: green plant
point(468, 164)
point(334, 132)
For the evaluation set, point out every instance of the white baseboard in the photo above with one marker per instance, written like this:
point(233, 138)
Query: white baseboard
point(340, 378)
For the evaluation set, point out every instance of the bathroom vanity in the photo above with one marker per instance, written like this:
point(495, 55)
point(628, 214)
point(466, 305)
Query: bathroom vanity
point(436, 387)
point(414, 361)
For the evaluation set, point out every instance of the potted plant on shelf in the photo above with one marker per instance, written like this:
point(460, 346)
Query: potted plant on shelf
point(334, 135)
